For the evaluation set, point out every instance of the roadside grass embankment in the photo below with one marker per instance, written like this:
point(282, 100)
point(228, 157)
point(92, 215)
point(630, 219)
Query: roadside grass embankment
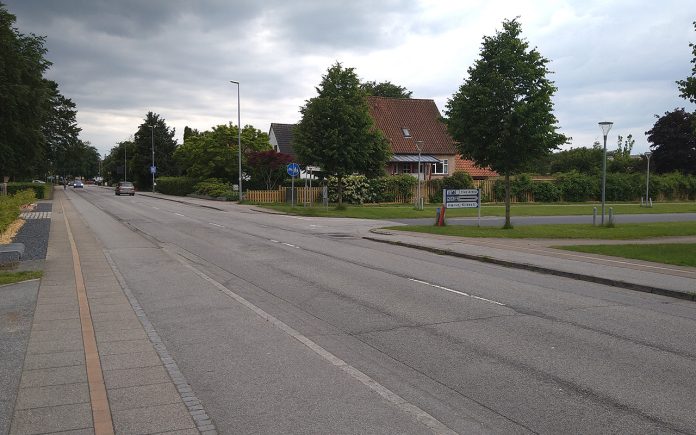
point(678, 254)
point(13, 277)
point(407, 211)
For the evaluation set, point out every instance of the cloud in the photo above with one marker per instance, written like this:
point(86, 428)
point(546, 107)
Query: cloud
point(614, 60)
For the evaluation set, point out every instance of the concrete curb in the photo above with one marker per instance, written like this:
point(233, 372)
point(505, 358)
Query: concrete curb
point(180, 201)
point(11, 253)
point(544, 270)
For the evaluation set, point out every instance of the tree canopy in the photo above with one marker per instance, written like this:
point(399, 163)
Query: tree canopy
point(385, 89)
point(164, 146)
point(687, 87)
point(214, 153)
point(502, 115)
point(336, 131)
point(674, 142)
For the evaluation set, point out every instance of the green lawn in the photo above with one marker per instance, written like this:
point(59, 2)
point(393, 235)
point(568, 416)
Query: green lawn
point(407, 211)
point(12, 277)
point(562, 231)
point(680, 254)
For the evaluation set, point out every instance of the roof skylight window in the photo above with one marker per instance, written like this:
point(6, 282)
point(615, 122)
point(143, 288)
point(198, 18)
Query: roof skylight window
point(406, 132)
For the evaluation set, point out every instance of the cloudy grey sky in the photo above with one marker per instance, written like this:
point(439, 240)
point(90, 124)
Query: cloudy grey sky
point(614, 60)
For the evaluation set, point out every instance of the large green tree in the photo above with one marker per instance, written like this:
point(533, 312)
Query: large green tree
point(687, 87)
point(385, 89)
point(673, 142)
point(336, 131)
point(502, 115)
point(164, 147)
point(118, 164)
point(23, 94)
point(214, 153)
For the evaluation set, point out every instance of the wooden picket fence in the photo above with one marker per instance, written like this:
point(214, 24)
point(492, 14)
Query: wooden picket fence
point(313, 195)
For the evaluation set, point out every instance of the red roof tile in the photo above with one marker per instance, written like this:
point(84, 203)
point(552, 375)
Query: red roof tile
point(420, 117)
point(470, 167)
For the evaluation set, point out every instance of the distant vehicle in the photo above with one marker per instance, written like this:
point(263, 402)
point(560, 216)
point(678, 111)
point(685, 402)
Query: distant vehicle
point(38, 181)
point(77, 184)
point(125, 188)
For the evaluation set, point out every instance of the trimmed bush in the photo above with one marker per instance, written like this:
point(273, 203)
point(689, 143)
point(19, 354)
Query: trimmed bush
point(624, 187)
point(577, 187)
point(399, 186)
point(458, 180)
point(179, 186)
point(545, 191)
point(215, 188)
point(41, 191)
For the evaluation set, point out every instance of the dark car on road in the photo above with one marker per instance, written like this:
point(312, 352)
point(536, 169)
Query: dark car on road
point(125, 188)
point(78, 184)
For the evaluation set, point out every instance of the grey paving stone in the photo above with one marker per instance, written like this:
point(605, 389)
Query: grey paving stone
point(52, 419)
point(53, 376)
point(101, 307)
point(152, 419)
point(55, 299)
point(119, 335)
point(52, 325)
point(127, 346)
point(63, 334)
point(140, 396)
point(47, 315)
point(135, 376)
point(57, 359)
point(116, 325)
point(54, 395)
point(181, 432)
point(130, 360)
point(61, 345)
point(121, 316)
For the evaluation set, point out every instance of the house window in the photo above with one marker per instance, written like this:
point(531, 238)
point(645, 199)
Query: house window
point(406, 168)
point(406, 132)
point(440, 167)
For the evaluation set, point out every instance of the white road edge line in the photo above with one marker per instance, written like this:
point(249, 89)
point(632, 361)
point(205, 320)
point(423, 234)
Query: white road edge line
point(457, 292)
point(178, 214)
point(397, 401)
point(217, 225)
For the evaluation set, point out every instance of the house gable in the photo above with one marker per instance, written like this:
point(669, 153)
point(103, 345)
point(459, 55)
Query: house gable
point(281, 137)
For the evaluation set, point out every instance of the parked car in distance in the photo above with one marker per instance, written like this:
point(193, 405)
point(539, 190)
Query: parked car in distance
point(38, 181)
point(125, 188)
point(78, 184)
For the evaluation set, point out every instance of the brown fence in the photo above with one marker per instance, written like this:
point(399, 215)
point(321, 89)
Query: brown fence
point(313, 195)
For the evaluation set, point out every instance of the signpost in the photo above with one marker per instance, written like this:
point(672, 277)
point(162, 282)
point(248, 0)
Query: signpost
point(463, 198)
point(293, 171)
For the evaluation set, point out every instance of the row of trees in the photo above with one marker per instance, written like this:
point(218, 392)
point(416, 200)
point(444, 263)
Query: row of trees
point(39, 135)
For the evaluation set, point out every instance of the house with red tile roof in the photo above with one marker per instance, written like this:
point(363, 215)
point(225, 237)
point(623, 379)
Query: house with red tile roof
point(413, 125)
point(409, 125)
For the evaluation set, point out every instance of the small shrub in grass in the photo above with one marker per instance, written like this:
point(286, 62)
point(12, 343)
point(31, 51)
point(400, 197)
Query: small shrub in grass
point(214, 187)
point(179, 186)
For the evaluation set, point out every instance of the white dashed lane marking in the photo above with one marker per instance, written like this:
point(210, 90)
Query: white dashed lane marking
point(457, 292)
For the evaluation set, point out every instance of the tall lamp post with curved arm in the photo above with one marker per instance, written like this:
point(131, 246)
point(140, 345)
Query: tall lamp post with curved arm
point(605, 126)
point(239, 140)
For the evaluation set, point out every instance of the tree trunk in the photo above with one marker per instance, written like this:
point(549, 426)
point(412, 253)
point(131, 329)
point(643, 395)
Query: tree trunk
point(340, 192)
point(507, 225)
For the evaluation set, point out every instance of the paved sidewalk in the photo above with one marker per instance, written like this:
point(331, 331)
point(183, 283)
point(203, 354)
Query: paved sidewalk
point(93, 365)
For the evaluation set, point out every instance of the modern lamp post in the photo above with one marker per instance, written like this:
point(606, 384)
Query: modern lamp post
point(152, 168)
point(239, 140)
point(647, 179)
point(419, 147)
point(605, 126)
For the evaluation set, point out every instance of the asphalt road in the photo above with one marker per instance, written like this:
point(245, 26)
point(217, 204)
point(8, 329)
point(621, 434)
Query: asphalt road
point(287, 324)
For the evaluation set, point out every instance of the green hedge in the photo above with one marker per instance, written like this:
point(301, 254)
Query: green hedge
point(10, 206)
point(458, 180)
point(41, 191)
point(179, 186)
point(216, 188)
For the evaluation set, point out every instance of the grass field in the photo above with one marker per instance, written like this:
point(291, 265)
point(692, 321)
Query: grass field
point(12, 277)
point(407, 211)
point(563, 231)
point(680, 254)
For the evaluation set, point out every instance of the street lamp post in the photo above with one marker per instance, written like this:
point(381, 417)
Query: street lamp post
point(419, 147)
point(239, 139)
point(605, 126)
point(125, 162)
point(647, 179)
point(152, 168)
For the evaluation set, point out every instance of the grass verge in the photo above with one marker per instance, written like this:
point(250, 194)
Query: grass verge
point(563, 231)
point(13, 277)
point(679, 254)
point(407, 211)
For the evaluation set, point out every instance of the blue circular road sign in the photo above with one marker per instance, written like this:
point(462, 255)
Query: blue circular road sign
point(293, 169)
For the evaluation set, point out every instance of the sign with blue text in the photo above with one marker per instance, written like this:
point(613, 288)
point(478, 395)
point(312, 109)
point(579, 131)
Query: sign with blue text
point(462, 198)
point(293, 170)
